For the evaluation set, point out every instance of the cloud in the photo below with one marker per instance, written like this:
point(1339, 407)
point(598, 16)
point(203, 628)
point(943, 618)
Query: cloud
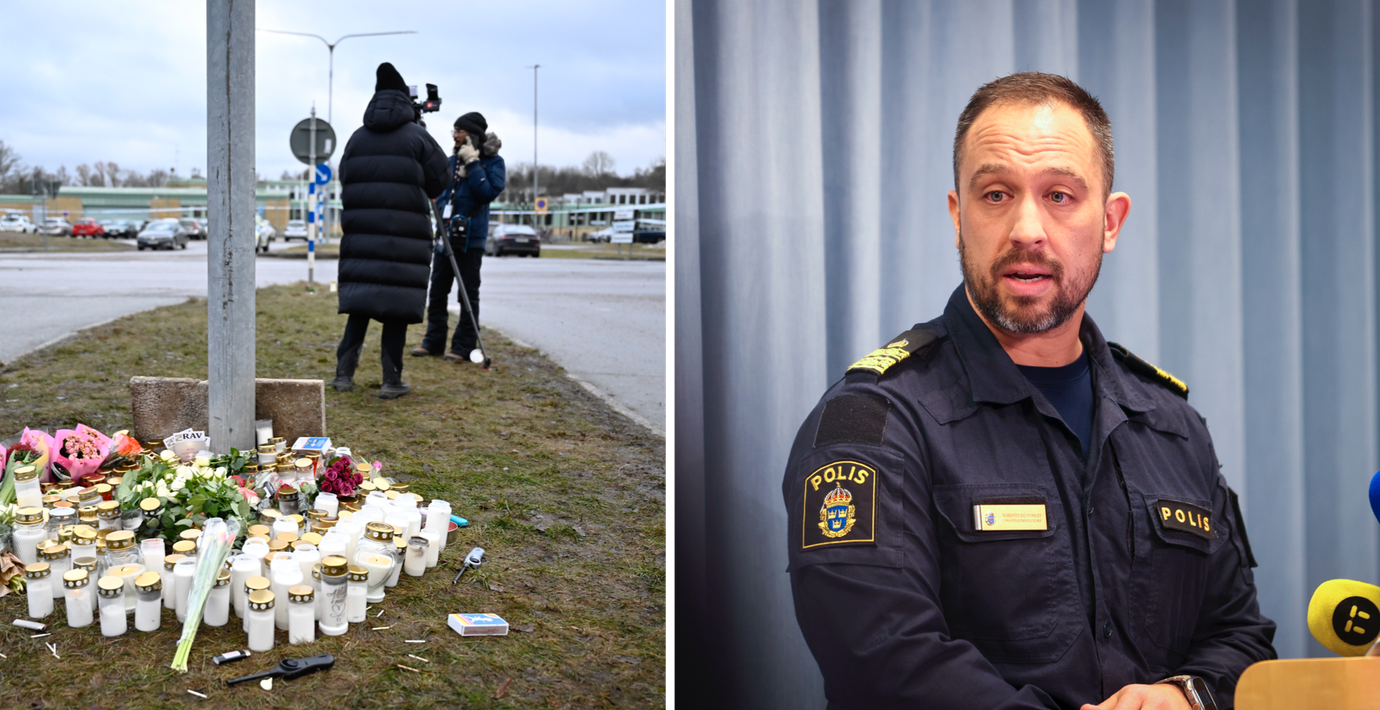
point(126, 82)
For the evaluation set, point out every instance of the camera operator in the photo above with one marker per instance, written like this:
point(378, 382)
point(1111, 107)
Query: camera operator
point(389, 169)
point(478, 176)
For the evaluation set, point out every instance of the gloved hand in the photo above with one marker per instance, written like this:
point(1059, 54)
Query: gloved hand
point(468, 153)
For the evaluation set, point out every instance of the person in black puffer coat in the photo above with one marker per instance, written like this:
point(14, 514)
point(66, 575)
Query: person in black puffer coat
point(390, 171)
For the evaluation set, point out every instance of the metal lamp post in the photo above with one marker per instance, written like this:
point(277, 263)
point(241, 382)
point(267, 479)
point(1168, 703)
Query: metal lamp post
point(536, 167)
point(330, 83)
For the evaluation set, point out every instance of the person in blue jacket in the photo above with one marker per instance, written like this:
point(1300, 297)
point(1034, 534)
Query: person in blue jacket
point(478, 176)
point(1000, 509)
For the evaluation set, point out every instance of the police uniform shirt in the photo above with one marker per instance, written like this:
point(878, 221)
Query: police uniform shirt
point(950, 547)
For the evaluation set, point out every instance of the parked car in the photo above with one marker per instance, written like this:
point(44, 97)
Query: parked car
point(196, 229)
point(513, 239)
point(15, 222)
point(296, 229)
point(56, 226)
point(163, 233)
point(121, 229)
point(602, 235)
point(87, 227)
point(649, 236)
point(264, 233)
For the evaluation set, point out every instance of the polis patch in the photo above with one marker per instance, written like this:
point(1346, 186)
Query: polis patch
point(1184, 517)
point(840, 505)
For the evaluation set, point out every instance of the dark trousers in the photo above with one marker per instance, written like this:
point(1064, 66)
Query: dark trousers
point(394, 338)
point(437, 317)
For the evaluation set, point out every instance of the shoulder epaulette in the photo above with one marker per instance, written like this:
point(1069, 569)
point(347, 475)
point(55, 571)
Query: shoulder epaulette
point(1141, 367)
point(901, 347)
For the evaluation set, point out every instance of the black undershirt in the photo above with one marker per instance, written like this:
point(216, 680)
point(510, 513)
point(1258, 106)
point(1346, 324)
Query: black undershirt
point(1069, 389)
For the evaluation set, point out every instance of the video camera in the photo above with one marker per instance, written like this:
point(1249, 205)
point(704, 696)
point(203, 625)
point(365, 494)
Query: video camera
point(431, 105)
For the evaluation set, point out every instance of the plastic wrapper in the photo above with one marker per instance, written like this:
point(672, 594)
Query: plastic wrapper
point(36, 448)
point(79, 452)
point(123, 449)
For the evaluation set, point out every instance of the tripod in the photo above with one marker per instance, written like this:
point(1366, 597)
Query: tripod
point(479, 355)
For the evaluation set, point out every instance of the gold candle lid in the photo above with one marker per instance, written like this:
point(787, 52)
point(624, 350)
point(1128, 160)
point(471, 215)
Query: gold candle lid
point(88, 515)
point(278, 545)
point(333, 565)
point(86, 563)
point(149, 582)
point(184, 547)
point(25, 473)
point(277, 440)
point(256, 582)
point(110, 586)
point(192, 534)
point(104, 488)
point(120, 539)
point(261, 600)
point(172, 559)
point(267, 448)
point(37, 570)
point(75, 579)
point(315, 514)
point(297, 519)
point(260, 530)
point(150, 505)
point(108, 509)
point(51, 499)
point(251, 467)
point(295, 544)
point(400, 543)
point(366, 488)
point(383, 532)
point(312, 537)
point(65, 504)
point(316, 571)
point(54, 551)
point(357, 573)
point(287, 537)
point(31, 514)
point(223, 579)
point(301, 593)
point(364, 469)
point(303, 462)
point(115, 481)
point(153, 444)
point(270, 514)
point(84, 534)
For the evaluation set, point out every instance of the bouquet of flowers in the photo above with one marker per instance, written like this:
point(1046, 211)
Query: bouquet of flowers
point(340, 477)
point(80, 452)
point(123, 448)
point(34, 449)
point(190, 494)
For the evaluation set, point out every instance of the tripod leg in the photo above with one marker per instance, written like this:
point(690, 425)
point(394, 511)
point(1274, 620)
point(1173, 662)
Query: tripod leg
point(465, 301)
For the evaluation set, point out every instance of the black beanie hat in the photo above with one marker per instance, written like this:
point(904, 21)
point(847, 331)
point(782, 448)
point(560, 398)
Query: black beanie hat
point(389, 78)
point(473, 123)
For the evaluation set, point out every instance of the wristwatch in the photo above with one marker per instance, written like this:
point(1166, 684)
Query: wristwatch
point(1195, 690)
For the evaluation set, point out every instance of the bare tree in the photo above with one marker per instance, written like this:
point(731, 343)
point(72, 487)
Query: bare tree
point(113, 173)
point(99, 175)
point(84, 175)
point(10, 169)
point(598, 163)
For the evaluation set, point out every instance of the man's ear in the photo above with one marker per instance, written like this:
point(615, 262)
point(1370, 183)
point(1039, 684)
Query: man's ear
point(953, 214)
point(1114, 215)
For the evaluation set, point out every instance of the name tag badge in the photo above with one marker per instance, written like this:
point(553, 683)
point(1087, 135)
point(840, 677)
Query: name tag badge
point(445, 214)
point(990, 517)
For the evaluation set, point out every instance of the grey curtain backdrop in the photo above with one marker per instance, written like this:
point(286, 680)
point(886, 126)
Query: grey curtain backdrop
point(813, 145)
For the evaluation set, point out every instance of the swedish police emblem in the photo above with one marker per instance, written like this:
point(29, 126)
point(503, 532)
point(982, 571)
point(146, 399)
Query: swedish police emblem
point(836, 516)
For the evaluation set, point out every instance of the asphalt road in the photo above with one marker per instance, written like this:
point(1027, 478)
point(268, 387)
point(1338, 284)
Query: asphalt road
point(603, 321)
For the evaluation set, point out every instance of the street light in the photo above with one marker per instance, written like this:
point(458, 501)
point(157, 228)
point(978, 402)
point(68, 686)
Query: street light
point(536, 169)
point(330, 86)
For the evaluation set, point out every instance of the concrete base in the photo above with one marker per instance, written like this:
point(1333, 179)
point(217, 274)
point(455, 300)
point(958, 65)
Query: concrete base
point(166, 405)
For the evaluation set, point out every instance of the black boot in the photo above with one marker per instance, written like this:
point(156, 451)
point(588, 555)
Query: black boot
point(393, 386)
point(345, 364)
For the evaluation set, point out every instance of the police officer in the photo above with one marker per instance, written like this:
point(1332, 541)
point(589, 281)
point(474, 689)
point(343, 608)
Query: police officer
point(999, 508)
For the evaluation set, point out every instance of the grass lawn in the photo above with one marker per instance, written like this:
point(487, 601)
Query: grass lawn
point(566, 496)
point(18, 241)
point(638, 252)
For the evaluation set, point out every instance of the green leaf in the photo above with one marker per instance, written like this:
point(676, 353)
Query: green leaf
point(183, 523)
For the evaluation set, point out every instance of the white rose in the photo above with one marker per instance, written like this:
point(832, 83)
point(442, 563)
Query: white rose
point(202, 462)
point(167, 455)
point(163, 491)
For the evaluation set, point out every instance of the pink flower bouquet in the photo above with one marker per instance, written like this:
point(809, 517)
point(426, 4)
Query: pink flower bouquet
point(39, 448)
point(80, 452)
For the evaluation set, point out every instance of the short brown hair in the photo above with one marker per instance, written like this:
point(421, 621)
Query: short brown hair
point(1041, 89)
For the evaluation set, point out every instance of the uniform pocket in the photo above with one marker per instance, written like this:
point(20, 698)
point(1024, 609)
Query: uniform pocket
point(1010, 593)
point(1176, 578)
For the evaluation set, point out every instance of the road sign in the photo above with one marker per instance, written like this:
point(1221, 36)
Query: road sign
point(323, 174)
point(541, 205)
point(623, 214)
point(300, 140)
point(624, 226)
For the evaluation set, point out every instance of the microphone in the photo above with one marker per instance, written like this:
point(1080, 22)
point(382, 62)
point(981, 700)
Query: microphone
point(1375, 495)
point(1344, 616)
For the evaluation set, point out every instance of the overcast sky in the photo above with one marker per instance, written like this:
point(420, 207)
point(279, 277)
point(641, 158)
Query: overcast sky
point(126, 81)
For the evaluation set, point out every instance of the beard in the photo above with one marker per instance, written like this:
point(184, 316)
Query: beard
point(1023, 314)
